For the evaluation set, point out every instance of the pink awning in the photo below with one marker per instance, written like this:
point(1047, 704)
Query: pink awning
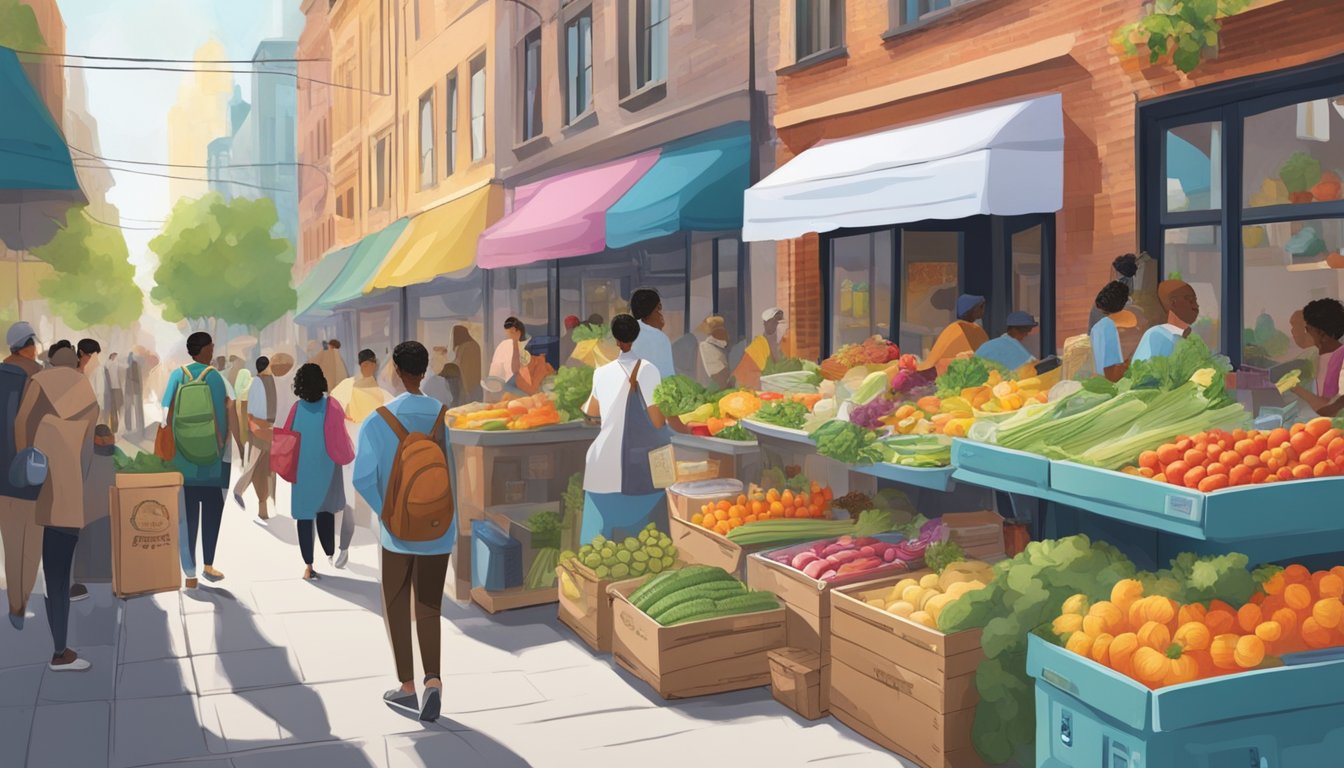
point(561, 217)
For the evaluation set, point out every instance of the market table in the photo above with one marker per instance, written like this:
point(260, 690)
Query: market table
point(737, 459)
point(506, 468)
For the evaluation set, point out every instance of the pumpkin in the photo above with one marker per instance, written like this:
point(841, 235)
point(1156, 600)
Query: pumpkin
point(1110, 614)
point(1122, 650)
point(1328, 612)
point(1287, 620)
point(1067, 624)
point(1080, 643)
point(1331, 586)
point(1154, 635)
point(1125, 593)
point(1093, 625)
point(1075, 604)
point(1248, 617)
point(1296, 574)
point(739, 405)
point(1314, 635)
point(1150, 666)
point(1223, 651)
point(1182, 667)
point(1249, 652)
point(1269, 631)
point(1297, 597)
point(1155, 608)
point(1193, 636)
point(1220, 622)
point(1192, 612)
point(1205, 664)
point(1101, 646)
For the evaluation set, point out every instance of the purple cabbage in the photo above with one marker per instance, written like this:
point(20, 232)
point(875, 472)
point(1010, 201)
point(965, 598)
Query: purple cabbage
point(870, 414)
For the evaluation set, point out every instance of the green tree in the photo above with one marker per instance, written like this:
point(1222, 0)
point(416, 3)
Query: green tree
point(94, 280)
point(218, 260)
point(18, 27)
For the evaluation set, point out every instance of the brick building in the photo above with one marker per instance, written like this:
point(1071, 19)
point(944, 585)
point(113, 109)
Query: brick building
point(317, 229)
point(1196, 184)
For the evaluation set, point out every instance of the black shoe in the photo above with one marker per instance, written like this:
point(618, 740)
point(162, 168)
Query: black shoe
point(399, 699)
point(429, 711)
point(78, 592)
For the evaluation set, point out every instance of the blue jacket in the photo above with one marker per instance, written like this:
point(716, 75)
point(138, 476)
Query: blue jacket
point(12, 381)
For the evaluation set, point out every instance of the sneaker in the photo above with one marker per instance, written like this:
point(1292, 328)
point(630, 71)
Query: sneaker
point(78, 592)
point(261, 521)
point(399, 699)
point(191, 583)
point(429, 711)
point(68, 662)
point(342, 558)
point(211, 574)
point(16, 621)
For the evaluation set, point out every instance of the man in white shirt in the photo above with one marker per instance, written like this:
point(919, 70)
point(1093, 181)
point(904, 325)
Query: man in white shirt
point(714, 352)
point(360, 396)
point(652, 344)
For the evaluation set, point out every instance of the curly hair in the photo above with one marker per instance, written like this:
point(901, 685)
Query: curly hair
point(309, 383)
point(1113, 297)
point(1126, 265)
point(1326, 316)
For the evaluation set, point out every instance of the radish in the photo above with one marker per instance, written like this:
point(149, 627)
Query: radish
point(801, 560)
point(847, 556)
point(815, 568)
point(827, 576)
point(867, 550)
point(889, 555)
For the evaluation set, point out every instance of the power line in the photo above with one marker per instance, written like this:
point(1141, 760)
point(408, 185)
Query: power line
point(93, 155)
point(54, 54)
point(188, 178)
point(294, 75)
point(91, 217)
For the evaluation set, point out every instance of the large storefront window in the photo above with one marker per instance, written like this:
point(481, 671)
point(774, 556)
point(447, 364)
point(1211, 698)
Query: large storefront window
point(1027, 274)
point(861, 272)
point(1242, 199)
point(929, 287)
point(440, 306)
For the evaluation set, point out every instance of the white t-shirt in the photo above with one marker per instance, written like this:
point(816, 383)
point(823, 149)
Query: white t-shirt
point(611, 390)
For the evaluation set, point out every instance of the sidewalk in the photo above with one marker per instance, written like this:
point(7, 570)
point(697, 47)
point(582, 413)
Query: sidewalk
point(265, 670)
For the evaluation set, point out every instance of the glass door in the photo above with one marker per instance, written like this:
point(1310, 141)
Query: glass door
point(1030, 268)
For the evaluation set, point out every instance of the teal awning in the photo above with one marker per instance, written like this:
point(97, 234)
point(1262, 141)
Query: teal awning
point(358, 272)
point(696, 184)
point(319, 280)
point(33, 153)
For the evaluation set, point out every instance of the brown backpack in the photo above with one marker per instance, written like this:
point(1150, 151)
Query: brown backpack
point(418, 504)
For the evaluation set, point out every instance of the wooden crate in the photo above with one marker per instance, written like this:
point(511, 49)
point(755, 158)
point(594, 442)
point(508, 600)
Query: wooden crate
point(694, 659)
point(509, 599)
point(589, 614)
point(904, 686)
point(796, 681)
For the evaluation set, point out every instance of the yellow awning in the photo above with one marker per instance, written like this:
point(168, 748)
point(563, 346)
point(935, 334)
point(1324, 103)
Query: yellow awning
point(441, 241)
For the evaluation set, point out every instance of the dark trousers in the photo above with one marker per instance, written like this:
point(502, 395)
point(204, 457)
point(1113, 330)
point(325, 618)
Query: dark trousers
point(418, 579)
point(58, 554)
point(205, 511)
point(326, 531)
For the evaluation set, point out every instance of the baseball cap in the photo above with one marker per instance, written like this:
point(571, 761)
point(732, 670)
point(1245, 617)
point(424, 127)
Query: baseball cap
point(770, 313)
point(1021, 320)
point(19, 334)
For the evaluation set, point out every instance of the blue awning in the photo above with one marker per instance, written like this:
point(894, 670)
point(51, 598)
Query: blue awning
point(696, 184)
point(319, 280)
point(356, 275)
point(33, 153)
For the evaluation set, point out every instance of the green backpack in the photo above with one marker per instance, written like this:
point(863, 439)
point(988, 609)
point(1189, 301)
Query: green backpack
point(195, 430)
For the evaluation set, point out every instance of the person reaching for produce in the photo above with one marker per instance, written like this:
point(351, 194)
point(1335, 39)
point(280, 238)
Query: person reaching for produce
point(962, 338)
point(1108, 357)
point(619, 496)
point(1008, 350)
point(1182, 306)
point(1324, 323)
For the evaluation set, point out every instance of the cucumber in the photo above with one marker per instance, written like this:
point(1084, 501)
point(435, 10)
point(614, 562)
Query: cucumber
point(686, 611)
point(686, 577)
point(714, 590)
point(754, 602)
point(637, 596)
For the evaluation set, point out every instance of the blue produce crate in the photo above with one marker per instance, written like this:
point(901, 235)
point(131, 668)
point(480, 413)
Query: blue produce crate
point(1300, 508)
point(1002, 469)
point(1088, 716)
point(933, 478)
point(496, 558)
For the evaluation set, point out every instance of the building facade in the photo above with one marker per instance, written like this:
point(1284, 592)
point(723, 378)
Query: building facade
point(317, 229)
point(199, 116)
point(1199, 185)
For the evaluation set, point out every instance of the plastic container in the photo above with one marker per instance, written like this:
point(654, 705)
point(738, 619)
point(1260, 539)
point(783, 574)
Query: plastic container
point(496, 558)
point(685, 499)
point(1000, 468)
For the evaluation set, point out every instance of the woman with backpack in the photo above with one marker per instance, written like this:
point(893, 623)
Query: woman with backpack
point(324, 447)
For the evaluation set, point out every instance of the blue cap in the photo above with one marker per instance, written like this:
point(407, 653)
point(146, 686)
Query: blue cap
point(968, 301)
point(19, 335)
point(1021, 320)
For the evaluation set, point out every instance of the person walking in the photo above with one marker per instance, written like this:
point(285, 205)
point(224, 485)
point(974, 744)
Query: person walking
point(652, 345)
point(359, 397)
point(114, 374)
point(261, 414)
point(201, 452)
point(22, 536)
point(467, 357)
point(414, 564)
point(134, 391)
point(58, 414)
point(619, 498)
point(324, 447)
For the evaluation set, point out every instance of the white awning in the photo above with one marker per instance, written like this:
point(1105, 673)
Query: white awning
point(1005, 160)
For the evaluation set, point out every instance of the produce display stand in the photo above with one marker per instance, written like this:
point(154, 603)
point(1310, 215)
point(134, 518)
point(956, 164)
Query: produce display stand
point(931, 478)
point(510, 468)
point(737, 459)
point(905, 686)
point(1001, 469)
point(1088, 715)
point(729, 653)
point(512, 519)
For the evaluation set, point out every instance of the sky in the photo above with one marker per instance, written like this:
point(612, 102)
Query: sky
point(131, 108)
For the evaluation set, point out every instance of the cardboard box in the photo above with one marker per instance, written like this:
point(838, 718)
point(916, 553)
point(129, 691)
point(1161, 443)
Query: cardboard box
point(694, 659)
point(145, 510)
point(904, 686)
point(796, 681)
point(588, 614)
point(980, 534)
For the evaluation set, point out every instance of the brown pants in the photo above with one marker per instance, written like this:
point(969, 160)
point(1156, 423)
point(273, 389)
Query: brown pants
point(23, 549)
point(424, 575)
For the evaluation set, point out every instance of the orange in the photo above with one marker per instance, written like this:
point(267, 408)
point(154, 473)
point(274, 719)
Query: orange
point(1297, 597)
point(1194, 477)
point(1195, 457)
point(772, 495)
point(787, 498)
point(1240, 475)
point(776, 507)
point(1148, 460)
point(1302, 471)
point(697, 518)
point(1297, 574)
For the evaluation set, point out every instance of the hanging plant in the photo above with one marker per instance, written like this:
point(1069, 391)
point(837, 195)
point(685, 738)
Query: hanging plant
point(1185, 30)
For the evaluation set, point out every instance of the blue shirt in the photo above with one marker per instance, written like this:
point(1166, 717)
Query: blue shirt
point(654, 346)
point(1158, 341)
point(211, 475)
point(1006, 351)
point(373, 464)
point(1106, 345)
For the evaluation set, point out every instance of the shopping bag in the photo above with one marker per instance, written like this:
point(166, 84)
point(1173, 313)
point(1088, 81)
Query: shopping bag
point(164, 445)
point(285, 449)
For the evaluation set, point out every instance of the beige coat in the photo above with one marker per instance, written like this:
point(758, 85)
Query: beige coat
point(57, 417)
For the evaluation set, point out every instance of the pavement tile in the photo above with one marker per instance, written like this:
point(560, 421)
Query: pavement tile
point(444, 749)
point(349, 754)
point(194, 764)
point(209, 633)
point(19, 685)
point(233, 722)
point(592, 684)
point(16, 723)
point(228, 597)
point(148, 731)
point(354, 709)
point(485, 691)
point(298, 596)
point(97, 620)
point(93, 684)
point(152, 628)
point(561, 654)
point(244, 670)
point(152, 679)
point(51, 742)
point(338, 645)
point(31, 645)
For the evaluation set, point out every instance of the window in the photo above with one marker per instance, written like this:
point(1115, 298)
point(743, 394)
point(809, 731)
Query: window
point(350, 203)
point(905, 13)
point(579, 65)
point(478, 109)
point(820, 26)
point(531, 83)
point(651, 23)
point(861, 275)
point(1195, 255)
point(1027, 273)
point(451, 99)
point(427, 140)
point(373, 54)
point(380, 172)
point(415, 13)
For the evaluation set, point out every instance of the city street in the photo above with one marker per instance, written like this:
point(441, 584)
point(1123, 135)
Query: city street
point(265, 669)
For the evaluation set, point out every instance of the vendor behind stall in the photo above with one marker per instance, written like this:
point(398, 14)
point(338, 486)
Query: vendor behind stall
point(1324, 323)
point(1008, 349)
point(1182, 306)
point(963, 337)
point(1108, 357)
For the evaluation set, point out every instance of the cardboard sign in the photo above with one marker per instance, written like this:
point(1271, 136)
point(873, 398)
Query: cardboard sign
point(144, 510)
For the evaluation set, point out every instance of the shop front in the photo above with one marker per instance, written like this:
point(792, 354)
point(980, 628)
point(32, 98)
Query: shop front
point(912, 217)
point(1240, 196)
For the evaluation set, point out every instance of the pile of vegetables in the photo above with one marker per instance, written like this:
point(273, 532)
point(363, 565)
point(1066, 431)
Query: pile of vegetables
point(696, 593)
point(783, 365)
point(545, 527)
point(848, 443)
point(542, 573)
point(758, 505)
point(1213, 460)
point(782, 413)
point(652, 552)
point(873, 351)
point(143, 463)
point(518, 413)
point(572, 506)
point(590, 332)
point(923, 601)
point(967, 373)
point(678, 395)
point(736, 432)
point(1305, 182)
point(572, 386)
point(921, 452)
point(792, 530)
point(739, 404)
point(857, 558)
point(791, 382)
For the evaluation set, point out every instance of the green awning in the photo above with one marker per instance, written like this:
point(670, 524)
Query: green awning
point(367, 257)
point(319, 280)
point(33, 154)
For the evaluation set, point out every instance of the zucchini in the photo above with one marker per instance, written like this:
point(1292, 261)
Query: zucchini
point(714, 590)
point(686, 611)
point(686, 577)
point(637, 596)
point(748, 603)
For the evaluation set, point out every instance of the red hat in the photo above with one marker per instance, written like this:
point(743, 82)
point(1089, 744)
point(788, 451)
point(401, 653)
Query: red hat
point(571, 322)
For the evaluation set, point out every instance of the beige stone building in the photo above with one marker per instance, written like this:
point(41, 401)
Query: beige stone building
point(200, 115)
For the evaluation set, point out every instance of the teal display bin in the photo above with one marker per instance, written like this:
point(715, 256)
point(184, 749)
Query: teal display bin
point(932, 478)
point(1002, 469)
point(1088, 716)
